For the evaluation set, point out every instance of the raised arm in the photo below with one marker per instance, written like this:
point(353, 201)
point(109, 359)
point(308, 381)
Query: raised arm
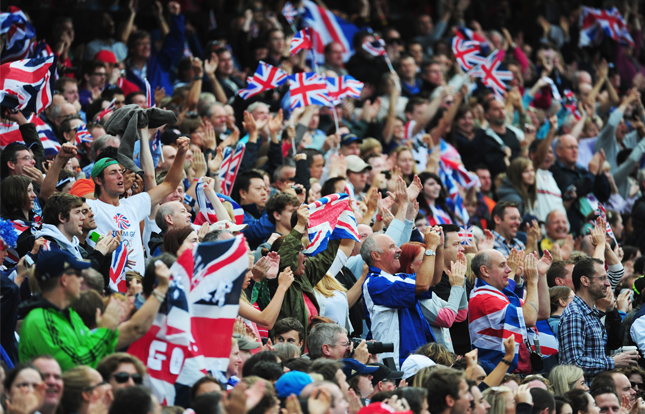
point(270, 314)
point(67, 152)
point(425, 276)
point(175, 174)
point(431, 110)
point(531, 303)
point(388, 128)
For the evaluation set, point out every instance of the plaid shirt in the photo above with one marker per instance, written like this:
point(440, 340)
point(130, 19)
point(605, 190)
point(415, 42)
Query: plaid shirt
point(505, 248)
point(582, 339)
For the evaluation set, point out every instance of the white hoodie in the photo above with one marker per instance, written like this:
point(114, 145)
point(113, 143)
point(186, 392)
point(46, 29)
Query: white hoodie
point(52, 231)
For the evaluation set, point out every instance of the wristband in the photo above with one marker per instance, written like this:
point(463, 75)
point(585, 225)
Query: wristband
point(509, 363)
point(196, 179)
point(379, 218)
point(196, 78)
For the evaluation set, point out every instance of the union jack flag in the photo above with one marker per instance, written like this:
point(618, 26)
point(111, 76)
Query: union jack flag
point(569, 102)
point(343, 87)
point(83, 135)
point(229, 168)
point(596, 23)
point(301, 40)
point(330, 218)
point(466, 235)
point(106, 111)
point(467, 53)
point(117, 269)
point(494, 316)
point(602, 213)
point(155, 140)
point(192, 331)
point(27, 85)
point(207, 211)
point(472, 36)
point(493, 75)
point(326, 27)
point(376, 48)
point(150, 96)
point(46, 135)
point(308, 89)
point(266, 77)
point(18, 31)
point(289, 12)
point(121, 221)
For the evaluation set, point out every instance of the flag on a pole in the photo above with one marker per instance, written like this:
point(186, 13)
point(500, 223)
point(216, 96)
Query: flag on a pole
point(289, 12)
point(493, 74)
point(83, 135)
point(229, 168)
point(596, 24)
point(301, 41)
point(466, 235)
point(266, 77)
point(308, 89)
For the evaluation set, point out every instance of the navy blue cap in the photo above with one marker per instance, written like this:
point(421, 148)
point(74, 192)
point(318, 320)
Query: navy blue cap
point(54, 263)
point(347, 139)
point(352, 367)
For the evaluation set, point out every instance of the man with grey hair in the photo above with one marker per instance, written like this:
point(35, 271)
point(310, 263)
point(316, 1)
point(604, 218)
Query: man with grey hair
point(392, 298)
point(330, 341)
point(215, 113)
point(99, 145)
point(496, 312)
point(261, 114)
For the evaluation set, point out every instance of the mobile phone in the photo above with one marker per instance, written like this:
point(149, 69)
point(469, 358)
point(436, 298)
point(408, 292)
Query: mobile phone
point(95, 236)
point(29, 261)
point(387, 174)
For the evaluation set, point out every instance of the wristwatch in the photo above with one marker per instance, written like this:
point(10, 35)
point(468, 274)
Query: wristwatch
point(430, 252)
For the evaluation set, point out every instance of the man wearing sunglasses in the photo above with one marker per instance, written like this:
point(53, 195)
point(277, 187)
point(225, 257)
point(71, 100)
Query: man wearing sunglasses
point(121, 370)
point(52, 327)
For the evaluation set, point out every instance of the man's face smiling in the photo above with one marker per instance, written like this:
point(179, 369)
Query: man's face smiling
point(390, 253)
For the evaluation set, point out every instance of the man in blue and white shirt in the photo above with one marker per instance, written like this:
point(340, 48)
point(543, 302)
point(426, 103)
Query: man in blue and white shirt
point(392, 299)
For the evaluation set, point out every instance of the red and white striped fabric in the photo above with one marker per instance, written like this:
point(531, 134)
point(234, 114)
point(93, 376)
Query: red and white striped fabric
point(117, 269)
point(330, 218)
point(27, 85)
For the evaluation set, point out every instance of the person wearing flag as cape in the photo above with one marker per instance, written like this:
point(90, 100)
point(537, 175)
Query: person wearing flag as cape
point(52, 327)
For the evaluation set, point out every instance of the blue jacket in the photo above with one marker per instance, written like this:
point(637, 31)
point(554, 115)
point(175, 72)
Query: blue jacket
point(259, 227)
point(160, 65)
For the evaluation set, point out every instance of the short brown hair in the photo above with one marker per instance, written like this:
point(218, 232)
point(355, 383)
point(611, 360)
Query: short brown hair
point(500, 209)
point(60, 204)
point(110, 363)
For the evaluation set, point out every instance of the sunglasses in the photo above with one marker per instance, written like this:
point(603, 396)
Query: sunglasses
point(123, 377)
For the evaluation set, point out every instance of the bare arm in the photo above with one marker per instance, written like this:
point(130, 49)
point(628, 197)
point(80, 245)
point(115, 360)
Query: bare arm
point(210, 66)
point(354, 294)
point(530, 308)
point(497, 375)
point(388, 128)
point(543, 266)
point(543, 149)
point(175, 174)
point(127, 28)
point(196, 87)
point(426, 277)
point(270, 314)
point(48, 188)
point(431, 110)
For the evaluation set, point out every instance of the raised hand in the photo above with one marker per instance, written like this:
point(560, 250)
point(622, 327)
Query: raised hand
point(457, 272)
point(275, 123)
point(599, 232)
point(488, 242)
point(215, 163)
point(199, 164)
point(274, 265)
point(530, 270)
point(210, 65)
point(432, 237)
point(209, 136)
point(249, 123)
point(400, 195)
point(285, 278)
point(544, 263)
point(415, 187)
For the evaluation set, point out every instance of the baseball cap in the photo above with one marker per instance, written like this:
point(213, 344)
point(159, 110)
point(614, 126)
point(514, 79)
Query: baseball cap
point(352, 368)
point(100, 165)
point(639, 285)
point(228, 225)
point(384, 373)
point(292, 383)
point(356, 164)
point(52, 264)
point(415, 363)
point(105, 56)
point(244, 343)
point(347, 139)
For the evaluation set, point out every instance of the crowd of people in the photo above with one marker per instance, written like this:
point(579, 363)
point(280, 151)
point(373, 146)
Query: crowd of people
point(493, 258)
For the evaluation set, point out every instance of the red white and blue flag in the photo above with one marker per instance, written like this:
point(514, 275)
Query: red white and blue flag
point(493, 74)
point(266, 77)
point(117, 269)
point(229, 168)
point(308, 89)
point(466, 235)
point(192, 331)
point(150, 96)
point(206, 212)
point(27, 85)
point(105, 111)
point(40, 49)
point(327, 28)
point(595, 24)
point(472, 36)
point(83, 135)
point(343, 87)
point(289, 12)
point(375, 48)
point(467, 53)
point(494, 316)
point(46, 135)
point(600, 212)
point(19, 32)
point(548, 341)
point(330, 218)
point(570, 103)
point(301, 41)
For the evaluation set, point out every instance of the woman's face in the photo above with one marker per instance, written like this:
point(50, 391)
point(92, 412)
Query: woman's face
point(510, 403)
point(592, 408)
point(188, 243)
point(528, 175)
point(580, 384)
point(365, 385)
point(399, 130)
point(314, 193)
point(431, 189)
point(32, 196)
point(405, 162)
point(124, 369)
point(465, 123)
point(564, 303)
point(416, 263)
point(197, 137)
point(247, 277)
point(26, 379)
point(618, 228)
point(98, 389)
point(421, 224)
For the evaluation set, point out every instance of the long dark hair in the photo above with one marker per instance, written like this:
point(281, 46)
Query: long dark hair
point(440, 201)
point(174, 238)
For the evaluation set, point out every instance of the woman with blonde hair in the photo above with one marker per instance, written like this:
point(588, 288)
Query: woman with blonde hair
point(565, 378)
point(520, 186)
point(404, 159)
point(335, 300)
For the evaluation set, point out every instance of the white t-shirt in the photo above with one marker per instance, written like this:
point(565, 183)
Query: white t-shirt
point(549, 196)
point(126, 217)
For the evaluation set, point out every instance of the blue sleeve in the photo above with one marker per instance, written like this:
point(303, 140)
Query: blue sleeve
point(173, 45)
point(394, 294)
point(258, 230)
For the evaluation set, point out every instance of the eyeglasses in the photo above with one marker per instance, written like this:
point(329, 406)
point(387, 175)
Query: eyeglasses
point(119, 102)
point(25, 158)
point(123, 377)
point(93, 387)
point(345, 344)
point(602, 279)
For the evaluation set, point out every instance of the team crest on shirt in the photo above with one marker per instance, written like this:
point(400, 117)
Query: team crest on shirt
point(121, 221)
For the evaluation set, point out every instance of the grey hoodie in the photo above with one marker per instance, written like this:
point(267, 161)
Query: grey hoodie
point(52, 231)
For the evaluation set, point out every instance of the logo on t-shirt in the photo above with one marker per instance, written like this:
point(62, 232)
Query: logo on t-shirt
point(121, 221)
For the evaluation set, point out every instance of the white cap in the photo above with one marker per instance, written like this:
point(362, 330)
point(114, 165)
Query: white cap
point(228, 225)
point(415, 363)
